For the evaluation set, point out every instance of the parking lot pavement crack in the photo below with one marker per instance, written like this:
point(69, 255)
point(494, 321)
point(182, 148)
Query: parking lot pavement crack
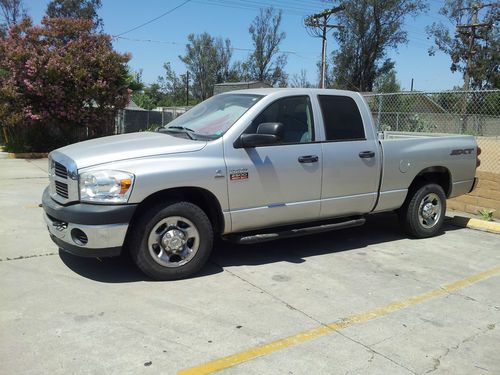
point(26, 257)
point(363, 368)
point(275, 297)
point(35, 165)
point(375, 352)
point(438, 360)
point(27, 178)
point(468, 298)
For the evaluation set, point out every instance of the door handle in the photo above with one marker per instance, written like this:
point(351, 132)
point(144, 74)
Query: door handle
point(308, 159)
point(366, 154)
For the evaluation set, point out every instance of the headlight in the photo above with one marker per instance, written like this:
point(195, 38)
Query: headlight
point(106, 186)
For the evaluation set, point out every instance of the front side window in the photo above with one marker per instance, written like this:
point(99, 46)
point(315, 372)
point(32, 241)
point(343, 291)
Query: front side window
point(341, 118)
point(295, 113)
point(213, 117)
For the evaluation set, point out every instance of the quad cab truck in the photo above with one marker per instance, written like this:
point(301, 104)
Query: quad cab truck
point(248, 166)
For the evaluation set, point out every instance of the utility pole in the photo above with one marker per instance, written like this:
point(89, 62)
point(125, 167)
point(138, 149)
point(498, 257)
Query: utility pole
point(469, 30)
point(318, 26)
point(187, 88)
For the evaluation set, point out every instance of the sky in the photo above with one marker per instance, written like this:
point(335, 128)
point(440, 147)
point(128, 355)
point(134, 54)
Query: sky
point(164, 39)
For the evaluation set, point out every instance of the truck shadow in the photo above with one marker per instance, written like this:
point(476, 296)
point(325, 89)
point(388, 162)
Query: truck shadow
point(379, 229)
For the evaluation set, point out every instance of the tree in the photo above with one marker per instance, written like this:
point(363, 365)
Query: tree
point(168, 90)
point(173, 86)
point(207, 59)
point(86, 9)
point(12, 11)
point(481, 43)
point(266, 64)
point(300, 80)
point(62, 80)
point(134, 80)
point(387, 83)
point(371, 28)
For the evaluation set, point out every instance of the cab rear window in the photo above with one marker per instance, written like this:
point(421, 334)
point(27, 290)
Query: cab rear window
point(341, 118)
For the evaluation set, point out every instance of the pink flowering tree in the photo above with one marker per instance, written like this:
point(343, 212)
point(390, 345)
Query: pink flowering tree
point(59, 82)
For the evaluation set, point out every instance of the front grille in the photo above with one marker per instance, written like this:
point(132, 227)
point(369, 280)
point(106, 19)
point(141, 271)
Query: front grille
point(62, 189)
point(60, 170)
point(63, 178)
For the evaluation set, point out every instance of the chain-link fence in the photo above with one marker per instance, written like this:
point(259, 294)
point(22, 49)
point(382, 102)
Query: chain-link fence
point(134, 120)
point(459, 112)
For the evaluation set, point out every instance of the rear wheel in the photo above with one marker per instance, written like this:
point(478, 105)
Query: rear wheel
point(422, 215)
point(173, 241)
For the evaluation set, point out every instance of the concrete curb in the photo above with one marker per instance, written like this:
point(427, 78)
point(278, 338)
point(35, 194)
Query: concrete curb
point(27, 155)
point(467, 222)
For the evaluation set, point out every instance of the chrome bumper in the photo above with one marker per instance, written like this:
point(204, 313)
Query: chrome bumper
point(98, 236)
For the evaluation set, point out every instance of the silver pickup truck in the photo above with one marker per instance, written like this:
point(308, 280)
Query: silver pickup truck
point(248, 166)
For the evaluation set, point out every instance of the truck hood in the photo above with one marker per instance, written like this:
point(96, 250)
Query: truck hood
point(127, 146)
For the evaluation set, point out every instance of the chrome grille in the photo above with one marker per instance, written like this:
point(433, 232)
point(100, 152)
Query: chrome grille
point(63, 178)
point(60, 170)
point(62, 189)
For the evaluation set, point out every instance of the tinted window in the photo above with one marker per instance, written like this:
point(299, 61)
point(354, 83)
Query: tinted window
point(295, 113)
point(341, 118)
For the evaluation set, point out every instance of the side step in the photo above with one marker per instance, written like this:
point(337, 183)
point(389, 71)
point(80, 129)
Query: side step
point(247, 238)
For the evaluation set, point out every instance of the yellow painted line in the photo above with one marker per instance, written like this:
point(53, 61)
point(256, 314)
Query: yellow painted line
point(261, 350)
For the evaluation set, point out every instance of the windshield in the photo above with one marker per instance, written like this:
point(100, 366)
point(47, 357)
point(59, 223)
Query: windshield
point(214, 116)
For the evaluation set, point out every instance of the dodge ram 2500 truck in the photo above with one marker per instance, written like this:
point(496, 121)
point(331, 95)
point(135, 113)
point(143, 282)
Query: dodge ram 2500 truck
point(248, 166)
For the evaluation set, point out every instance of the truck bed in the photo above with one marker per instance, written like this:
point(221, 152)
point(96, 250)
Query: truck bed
point(406, 155)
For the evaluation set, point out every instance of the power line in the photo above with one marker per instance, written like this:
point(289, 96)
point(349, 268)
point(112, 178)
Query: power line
point(183, 44)
point(154, 19)
point(257, 5)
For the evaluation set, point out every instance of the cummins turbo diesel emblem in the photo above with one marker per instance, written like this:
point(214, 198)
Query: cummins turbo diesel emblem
point(465, 151)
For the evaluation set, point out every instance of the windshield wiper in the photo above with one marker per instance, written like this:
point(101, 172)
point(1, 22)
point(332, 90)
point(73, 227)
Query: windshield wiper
point(187, 131)
point(180, 127)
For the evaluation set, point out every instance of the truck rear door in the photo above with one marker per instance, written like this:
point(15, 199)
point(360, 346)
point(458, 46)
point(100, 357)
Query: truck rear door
point(351, 156)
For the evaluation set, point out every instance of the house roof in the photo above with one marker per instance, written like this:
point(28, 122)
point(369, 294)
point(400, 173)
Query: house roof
point(131, 105)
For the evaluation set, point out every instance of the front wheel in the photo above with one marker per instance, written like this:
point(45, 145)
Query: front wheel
point(422, 215)
point(172, 241)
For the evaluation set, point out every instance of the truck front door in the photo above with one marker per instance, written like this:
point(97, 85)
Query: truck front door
point(281, 183)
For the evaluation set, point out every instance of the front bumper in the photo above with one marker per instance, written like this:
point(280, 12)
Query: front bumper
point(87, 230)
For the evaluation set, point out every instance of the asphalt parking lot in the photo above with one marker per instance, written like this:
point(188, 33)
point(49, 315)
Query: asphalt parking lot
point(360, 301)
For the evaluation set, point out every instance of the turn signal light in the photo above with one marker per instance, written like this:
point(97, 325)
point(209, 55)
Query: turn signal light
point(125, 185)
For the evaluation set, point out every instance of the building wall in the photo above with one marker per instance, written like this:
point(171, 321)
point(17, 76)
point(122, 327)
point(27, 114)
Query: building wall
point(486, 195)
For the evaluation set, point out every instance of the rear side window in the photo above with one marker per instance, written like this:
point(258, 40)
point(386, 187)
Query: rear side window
point(341, 118)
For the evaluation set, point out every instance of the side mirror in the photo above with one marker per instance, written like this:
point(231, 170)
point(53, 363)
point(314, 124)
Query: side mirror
point(268, 133)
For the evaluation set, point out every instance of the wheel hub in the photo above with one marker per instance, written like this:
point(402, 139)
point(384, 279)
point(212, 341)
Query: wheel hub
point(428, 210)
point(173, 240)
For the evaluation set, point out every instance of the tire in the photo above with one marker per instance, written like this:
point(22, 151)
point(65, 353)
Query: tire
point(422, 214)
point(172, 241)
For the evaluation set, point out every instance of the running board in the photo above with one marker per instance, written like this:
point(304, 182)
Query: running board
point(247, 239)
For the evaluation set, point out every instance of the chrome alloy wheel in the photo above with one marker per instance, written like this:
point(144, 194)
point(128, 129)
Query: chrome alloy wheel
point(429, 210)
point(173, 241)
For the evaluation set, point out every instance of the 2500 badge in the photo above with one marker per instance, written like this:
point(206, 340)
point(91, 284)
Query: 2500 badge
point(238, 174)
